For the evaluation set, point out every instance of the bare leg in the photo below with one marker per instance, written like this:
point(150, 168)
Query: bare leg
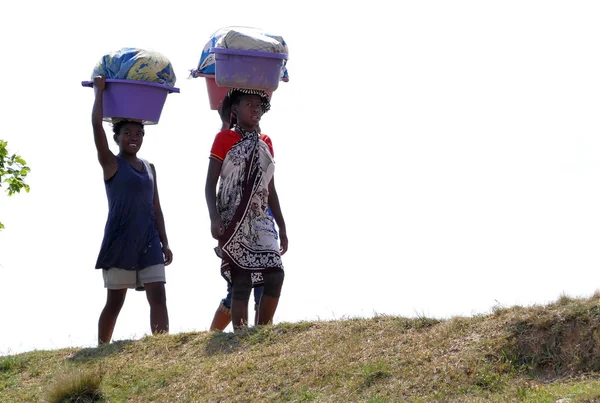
point(257, 297)
point(108, 317)
point(157, 298)
point(266, 309)
point(239, 313)
point(221, 319)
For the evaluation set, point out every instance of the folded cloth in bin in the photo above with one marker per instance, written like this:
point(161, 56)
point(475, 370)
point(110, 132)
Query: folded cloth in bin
point(243, 38)
point(136, 64)
point(252, 39)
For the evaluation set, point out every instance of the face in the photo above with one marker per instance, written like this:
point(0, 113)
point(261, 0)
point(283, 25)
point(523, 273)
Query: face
point(248, 111)
point(130, 138)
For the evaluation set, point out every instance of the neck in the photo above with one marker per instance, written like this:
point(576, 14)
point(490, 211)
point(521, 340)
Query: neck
point(128, 157)
point(247, 128)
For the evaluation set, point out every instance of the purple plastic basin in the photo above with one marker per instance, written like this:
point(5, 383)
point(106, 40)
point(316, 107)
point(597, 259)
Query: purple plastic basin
point(248, 68)
point(217, 94)
point(132, 99)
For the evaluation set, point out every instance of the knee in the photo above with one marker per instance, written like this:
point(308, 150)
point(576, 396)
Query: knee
point(273, 283)
point(241, 288)
point(156, 294)
point(113, 305)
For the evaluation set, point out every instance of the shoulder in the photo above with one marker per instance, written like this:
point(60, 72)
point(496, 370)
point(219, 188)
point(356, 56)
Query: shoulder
point(268, 142)
point(224, 140)
point(226, 134)
point(148, 164)
point(120, 163)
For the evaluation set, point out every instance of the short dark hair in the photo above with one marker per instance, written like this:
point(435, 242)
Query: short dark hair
point(119, 125)
point(234, 96)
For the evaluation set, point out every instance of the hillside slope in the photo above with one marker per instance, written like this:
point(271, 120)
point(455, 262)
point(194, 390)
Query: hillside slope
point(534, 354)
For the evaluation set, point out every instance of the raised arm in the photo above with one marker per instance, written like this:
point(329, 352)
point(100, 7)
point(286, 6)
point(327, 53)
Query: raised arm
point(107, 159)
point(212, 177)
point(278, 216)
point(160, 223)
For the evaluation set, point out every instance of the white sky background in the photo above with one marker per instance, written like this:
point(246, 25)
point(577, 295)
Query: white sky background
point(433, 159)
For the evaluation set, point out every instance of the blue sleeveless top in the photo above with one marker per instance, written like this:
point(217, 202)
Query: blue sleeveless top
point(131, 239)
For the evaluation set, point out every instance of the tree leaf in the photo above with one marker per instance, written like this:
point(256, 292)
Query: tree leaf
point(13, 176)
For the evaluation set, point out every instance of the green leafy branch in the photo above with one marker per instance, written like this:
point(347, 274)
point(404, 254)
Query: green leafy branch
point(13, 170)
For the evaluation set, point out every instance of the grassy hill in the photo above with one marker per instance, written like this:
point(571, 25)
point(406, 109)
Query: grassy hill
point(536, 354)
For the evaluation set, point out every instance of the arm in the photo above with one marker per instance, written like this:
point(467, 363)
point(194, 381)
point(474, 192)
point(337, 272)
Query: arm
point(277, 215)
point(107, 159)
point(212, 177)
point(160, 223)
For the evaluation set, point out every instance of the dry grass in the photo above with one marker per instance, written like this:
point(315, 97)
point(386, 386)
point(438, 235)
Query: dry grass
point(78, 386)
point(560, 340)
point(537, 354)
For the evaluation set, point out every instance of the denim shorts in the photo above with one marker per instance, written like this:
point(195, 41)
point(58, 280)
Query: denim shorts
point(258, 291)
